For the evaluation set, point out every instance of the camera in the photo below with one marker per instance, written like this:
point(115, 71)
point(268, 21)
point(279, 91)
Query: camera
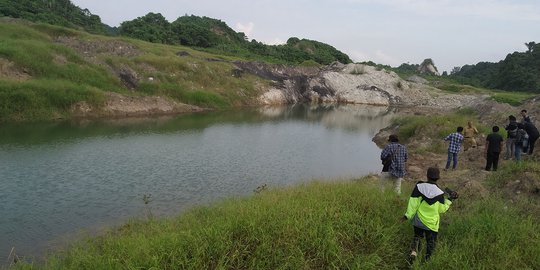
point(452, 194)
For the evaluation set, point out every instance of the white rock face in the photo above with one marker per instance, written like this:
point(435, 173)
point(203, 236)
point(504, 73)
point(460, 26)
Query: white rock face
point(360, 84)
point(273, 97)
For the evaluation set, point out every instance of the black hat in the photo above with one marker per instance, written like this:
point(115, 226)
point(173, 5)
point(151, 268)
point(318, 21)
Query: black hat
point(433, 174)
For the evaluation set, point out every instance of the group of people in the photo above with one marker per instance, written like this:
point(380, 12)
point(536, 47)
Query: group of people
point(427, 200)
point(520, 140)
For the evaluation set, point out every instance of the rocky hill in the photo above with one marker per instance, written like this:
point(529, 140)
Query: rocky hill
point(351, 83)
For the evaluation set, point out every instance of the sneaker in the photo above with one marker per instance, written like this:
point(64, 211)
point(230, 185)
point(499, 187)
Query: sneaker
point(412, 257)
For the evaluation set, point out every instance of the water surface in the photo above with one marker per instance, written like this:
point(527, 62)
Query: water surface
point(58, 179)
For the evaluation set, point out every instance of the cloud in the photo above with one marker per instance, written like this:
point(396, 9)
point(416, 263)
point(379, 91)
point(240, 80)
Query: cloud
point(494, 9)
point(247, 29)
point(275, 41)
point(378, 56)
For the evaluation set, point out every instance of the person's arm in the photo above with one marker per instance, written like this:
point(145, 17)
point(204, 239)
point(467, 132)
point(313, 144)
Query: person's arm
point(443, 207)
point(385, 153)
point(412, 207)
point(487, 147)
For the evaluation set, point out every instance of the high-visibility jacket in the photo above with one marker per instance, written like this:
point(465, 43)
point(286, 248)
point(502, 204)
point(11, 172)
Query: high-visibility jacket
point(428, 202)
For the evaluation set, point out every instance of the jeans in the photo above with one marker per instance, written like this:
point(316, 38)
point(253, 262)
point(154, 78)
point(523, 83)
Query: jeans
point(517, 151)
point(454, 157)
point(510, 146)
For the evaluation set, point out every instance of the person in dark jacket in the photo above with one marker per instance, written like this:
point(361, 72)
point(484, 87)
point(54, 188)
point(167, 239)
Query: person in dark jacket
point(425, 205)
point(532, 131)
point(494, 146)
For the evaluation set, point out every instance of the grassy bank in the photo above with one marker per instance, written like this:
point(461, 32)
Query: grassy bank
point(46, 69)
point(339, 225)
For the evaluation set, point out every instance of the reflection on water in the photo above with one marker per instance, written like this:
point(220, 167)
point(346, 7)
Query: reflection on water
point(60, 178)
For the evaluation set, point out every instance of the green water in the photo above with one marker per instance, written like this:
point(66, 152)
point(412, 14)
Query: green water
point(60, 179)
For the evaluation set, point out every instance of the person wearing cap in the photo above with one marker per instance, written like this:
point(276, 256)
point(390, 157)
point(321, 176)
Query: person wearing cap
point(425, 205)
point(397, 154)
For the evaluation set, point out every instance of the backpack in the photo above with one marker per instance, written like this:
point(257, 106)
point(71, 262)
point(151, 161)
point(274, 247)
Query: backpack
point(521, 136)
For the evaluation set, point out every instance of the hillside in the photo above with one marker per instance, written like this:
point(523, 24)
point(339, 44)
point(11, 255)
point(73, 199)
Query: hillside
point(51, 72)
point(216, 36)
point(57, 12)
point(47, 72)
point(519, 71)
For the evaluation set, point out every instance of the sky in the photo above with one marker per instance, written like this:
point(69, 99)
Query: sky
point(452, 33)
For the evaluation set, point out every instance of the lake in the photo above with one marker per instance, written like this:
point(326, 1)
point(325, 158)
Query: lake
point(60, 180)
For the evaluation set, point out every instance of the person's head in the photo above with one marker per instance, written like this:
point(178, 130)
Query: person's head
point(459, 129)
point(469, 124)
point(495, 129)
point(433, 174)
point(393, 138)
point(511, 118)
point(524, 112)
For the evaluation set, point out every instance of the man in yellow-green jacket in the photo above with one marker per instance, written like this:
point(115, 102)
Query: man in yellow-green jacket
point(426, 203)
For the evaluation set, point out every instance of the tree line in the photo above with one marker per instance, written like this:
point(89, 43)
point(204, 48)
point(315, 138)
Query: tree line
point(216, 36)
point(56, 12)
point(200, 32)
point(519, 71)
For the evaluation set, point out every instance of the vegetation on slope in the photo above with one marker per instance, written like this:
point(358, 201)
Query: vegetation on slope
point(216, 36)
point(56, 12)
point(517, 72)
point(45, 70)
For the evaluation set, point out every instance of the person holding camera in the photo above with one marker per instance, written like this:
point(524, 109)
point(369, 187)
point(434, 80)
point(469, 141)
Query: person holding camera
point(394, 157)
point(425, 205)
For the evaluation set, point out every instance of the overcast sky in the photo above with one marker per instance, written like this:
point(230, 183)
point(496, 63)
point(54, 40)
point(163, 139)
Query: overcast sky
point(451, 32)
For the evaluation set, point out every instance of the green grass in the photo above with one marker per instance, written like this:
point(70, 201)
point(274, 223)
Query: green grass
point(337, 225)
point(437, 126)
point(32, 50)
point(512, 98)
point(43, 99)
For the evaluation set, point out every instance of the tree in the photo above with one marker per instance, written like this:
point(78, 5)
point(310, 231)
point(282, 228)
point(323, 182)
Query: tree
point(152, 27)
point(455, 70)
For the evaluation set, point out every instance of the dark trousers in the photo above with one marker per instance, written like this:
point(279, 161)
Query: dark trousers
point(431, 239)
point(492, 160)
point(531, 144)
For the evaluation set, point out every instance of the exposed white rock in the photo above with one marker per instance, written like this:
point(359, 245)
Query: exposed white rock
point(360, 84)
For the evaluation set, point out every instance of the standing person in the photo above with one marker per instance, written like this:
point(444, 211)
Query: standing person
point(525, 116)
point(397, 153)
point(468, 134)
point(456, 139)
point(532, 131)
point(494, 145)
point(520, 141)
point(511, 130)
point(425, 205)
